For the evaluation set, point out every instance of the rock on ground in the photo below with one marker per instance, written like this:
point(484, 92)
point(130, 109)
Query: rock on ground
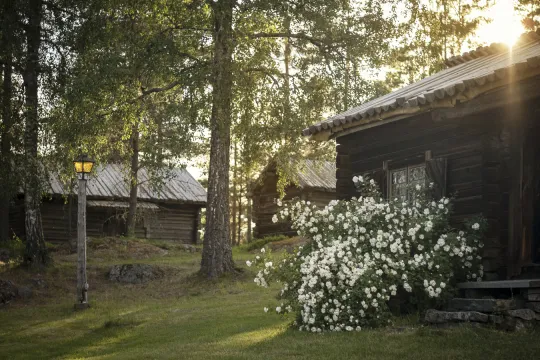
point(534, 306)
point(135, 273)
point(439, 317)
point(25, 292)
point(189, 248)
point(8, 292)
point(38, 283)
point(525, 314)
point(508, 323)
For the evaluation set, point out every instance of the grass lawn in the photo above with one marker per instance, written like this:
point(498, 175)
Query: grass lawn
point(183, 317)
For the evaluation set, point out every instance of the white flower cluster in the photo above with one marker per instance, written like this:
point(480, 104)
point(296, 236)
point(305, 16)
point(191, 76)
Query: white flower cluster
point(362, 251)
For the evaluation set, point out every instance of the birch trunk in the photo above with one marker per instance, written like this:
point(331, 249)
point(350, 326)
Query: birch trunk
point(239, 236)
point(287, 85)
point(217, 254)
point(249, 230)
point(234, 197)
point(36, 252)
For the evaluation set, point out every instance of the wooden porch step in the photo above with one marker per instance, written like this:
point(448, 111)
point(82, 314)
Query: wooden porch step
point(501, 284)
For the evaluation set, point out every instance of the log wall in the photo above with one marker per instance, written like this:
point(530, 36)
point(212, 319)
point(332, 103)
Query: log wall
point(264, 206)
point(175, 222)
point(477, 149)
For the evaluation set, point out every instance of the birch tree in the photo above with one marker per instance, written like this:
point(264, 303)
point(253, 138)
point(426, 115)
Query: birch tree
point(246, 36)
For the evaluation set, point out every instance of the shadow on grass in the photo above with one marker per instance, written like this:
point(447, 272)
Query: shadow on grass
point(415, 343)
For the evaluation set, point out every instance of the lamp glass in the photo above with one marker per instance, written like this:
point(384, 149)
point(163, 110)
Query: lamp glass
point(87, 166)
point(78, 166)
point(83, 164)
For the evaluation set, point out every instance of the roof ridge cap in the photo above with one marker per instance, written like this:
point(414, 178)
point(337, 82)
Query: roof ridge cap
point(493, 48)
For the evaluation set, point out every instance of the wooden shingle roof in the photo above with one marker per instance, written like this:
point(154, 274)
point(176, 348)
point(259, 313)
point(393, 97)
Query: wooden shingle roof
point(467, 76)
point(317, 174)
point(108, 182)
point(310, 174)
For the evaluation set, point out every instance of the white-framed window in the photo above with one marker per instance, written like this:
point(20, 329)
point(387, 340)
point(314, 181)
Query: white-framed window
point(404, 178)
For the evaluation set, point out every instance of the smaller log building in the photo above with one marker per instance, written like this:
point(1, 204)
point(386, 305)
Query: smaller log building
point(168, 211)
point(316, 182)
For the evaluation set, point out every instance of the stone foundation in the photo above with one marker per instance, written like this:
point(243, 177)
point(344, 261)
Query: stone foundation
point(516, 313)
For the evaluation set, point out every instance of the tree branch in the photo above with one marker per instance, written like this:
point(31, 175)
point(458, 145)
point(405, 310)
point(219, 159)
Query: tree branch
point(266, 72)
point(56, 47)
point(154, 90)
point(178, 27)
point(169, 86)
point(301, 36)
point(192, 57)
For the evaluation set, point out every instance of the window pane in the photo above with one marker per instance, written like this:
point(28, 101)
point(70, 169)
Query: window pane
point(399, 184)
point(417, 174)
point(399, 176)
point(399, 191)
point(403, 179)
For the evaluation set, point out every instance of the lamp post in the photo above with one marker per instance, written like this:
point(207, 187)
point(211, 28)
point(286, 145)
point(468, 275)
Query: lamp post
point(83, 166)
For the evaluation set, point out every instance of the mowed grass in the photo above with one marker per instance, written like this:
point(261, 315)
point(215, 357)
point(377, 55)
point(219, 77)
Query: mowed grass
point(185, 317)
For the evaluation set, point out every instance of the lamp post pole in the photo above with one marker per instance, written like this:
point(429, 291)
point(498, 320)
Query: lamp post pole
point(82, 283)
point(83, 165)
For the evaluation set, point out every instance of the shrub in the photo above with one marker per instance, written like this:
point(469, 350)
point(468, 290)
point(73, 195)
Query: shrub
point(259, 243)
point(16, 248)
point(362, 251)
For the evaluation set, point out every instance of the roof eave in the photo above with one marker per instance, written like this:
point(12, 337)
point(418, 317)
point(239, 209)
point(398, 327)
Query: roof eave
point(359, 122)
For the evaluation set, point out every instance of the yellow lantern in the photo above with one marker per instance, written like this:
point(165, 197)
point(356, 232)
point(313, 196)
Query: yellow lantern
point(83, 164)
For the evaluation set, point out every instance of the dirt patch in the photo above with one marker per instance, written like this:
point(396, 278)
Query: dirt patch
point(135, 273)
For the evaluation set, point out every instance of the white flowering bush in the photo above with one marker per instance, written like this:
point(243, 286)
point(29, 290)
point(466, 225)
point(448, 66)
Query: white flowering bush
point(362, 252)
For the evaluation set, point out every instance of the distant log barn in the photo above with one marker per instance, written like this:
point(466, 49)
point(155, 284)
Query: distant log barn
point(167, 212)
point(473, 129)
point(316, 182)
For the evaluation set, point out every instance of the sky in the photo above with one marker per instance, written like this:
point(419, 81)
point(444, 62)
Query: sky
point(505, 26)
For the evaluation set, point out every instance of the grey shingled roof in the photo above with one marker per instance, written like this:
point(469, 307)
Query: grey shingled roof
point(317, 174)
point(313, 174)
point(108, 182)
point(465, 78)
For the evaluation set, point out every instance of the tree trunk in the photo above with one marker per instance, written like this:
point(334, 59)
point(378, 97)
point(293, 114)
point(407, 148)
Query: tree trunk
point(133, 182)
point(445, 29)
point(234, 197)
point(287, 85)
point(72, 244)
point(36, 252)
point(239, 217)
point(217, 253)
point(249, 230)
point(7, 122)
point(347, 80)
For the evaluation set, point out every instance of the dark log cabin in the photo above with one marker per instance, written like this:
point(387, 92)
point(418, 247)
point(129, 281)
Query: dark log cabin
point(169, 211)
point(474, 130)
point(314, 181)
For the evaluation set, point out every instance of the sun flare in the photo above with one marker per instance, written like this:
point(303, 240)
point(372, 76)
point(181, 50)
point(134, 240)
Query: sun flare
point(505, 26)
